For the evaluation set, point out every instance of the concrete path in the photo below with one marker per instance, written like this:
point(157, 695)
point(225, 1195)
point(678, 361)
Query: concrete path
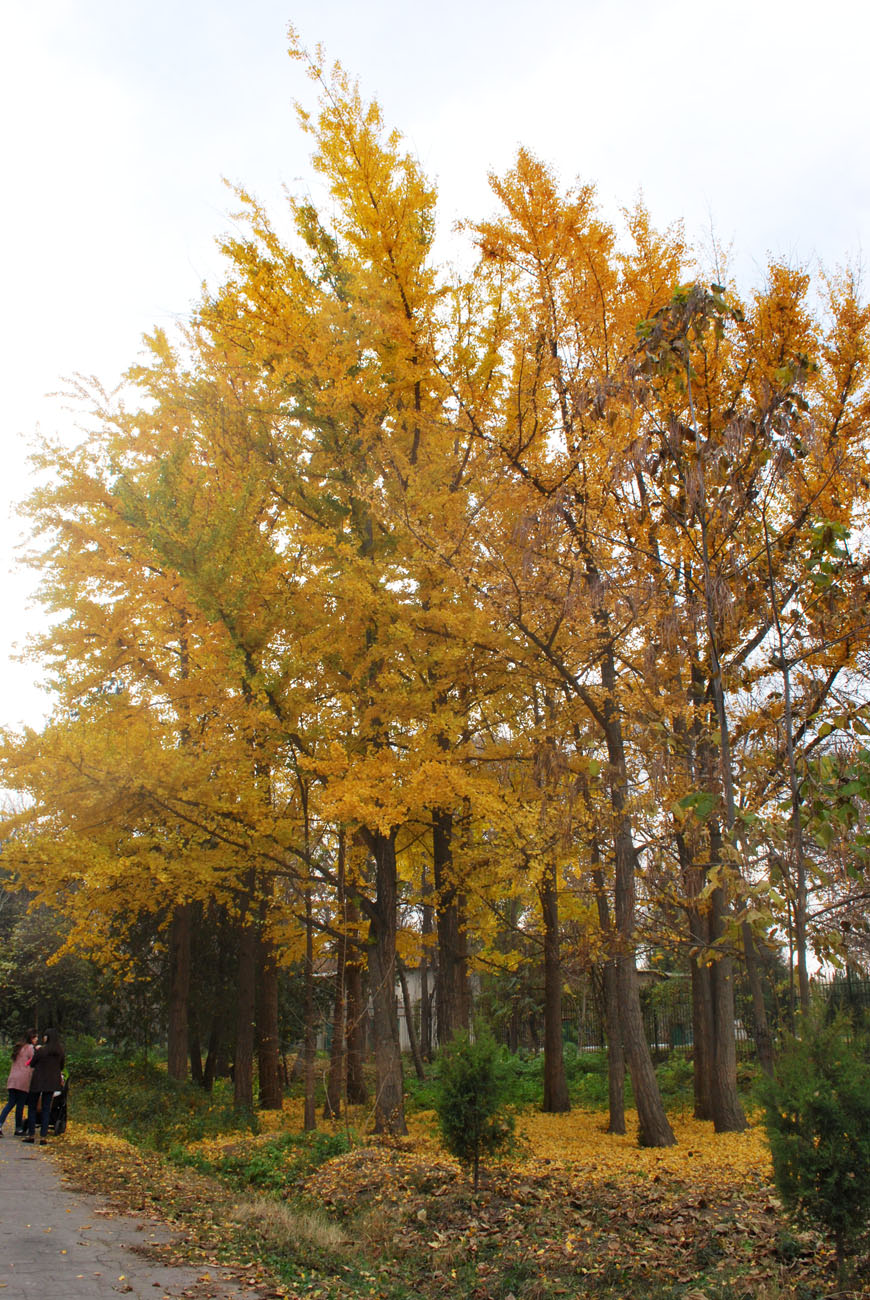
point(57, 1243)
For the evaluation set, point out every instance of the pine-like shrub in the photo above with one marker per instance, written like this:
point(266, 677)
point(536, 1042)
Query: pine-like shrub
point(470, 1099)
point(817, 1116)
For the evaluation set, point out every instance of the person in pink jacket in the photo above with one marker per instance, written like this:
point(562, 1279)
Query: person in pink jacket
point(18, 1083)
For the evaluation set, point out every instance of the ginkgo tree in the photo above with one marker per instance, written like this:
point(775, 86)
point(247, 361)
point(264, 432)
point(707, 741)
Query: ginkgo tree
point(385, 592)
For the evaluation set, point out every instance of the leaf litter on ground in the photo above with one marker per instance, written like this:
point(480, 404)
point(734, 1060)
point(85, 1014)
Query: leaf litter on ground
point(573, 1210)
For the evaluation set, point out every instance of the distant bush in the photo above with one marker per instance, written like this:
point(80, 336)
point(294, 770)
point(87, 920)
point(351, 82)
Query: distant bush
point(591, 1091)
point(676, 1079)
point(88, 1060)
point(420, 1093)
point(586, 1073)
point(522, 1077)
point(817, 1116)
point(137, 1100)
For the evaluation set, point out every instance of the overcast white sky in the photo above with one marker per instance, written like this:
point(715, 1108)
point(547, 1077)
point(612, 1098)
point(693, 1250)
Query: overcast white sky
point(121, 116)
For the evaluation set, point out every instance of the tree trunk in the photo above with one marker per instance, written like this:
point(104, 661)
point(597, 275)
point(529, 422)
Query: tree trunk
point(409, 1020)
point(728, 1116)
point(763, 1043)
point(271, 1097)
point(727, 1112)
point(243, 1071)
point(451, 991)
point(702, 1017)
point(613, 1029)
point(555, 1084)
point(309, 1122)
point(653, 1127)
point(615, 1050)
point(760, 1024)
point(715, 760)
point(425, 997)
point(514, 1029)
point(694, 875)
point(335, 1079)
point(389, 1099)
point(225, 933)
point(179, 990)
point(196, 1074)
point(212, 1068)
point(357, 1092)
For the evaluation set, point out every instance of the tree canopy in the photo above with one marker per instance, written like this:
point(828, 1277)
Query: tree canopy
point(533, 594)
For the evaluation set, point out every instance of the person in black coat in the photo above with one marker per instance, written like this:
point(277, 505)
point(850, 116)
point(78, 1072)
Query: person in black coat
point(47, 1079)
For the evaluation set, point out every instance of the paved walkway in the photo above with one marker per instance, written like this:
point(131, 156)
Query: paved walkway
point(60, 1244)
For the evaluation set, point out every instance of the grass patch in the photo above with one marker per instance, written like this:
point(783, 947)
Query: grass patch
point(271, 1165)
point(291, 1231)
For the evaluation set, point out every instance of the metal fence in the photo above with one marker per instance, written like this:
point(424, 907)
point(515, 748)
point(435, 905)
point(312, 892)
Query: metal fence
point(666, 1005)
point(667, 1017)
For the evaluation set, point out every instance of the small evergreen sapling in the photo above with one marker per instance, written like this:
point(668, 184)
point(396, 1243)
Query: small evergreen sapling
point(470, 1097)
point(817, 1116)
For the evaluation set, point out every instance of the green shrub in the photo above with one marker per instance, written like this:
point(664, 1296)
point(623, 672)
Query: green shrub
point(591, 1090)
point(470, 1098)
point(676, 1078)
point(141, 1103)
point(87, 1060)
point(420, 1093)
point(817, 1116)
point(522, 1075)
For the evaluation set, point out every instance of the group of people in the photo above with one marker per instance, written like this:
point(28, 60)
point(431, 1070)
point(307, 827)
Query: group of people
point(35, 1077)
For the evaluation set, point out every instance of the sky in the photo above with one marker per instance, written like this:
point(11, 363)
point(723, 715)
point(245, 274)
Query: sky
point(748, 121)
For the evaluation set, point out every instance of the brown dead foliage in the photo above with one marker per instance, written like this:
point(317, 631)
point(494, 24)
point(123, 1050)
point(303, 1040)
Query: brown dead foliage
point(413, 1227)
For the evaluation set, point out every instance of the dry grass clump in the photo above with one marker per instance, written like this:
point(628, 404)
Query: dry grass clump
point(286, 1229)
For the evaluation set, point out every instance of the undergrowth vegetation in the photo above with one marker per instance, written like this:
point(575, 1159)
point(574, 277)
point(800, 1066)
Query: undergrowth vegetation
point(137, 1100)
point(272, 1165)
point(334, 1214)
point(586, 1073)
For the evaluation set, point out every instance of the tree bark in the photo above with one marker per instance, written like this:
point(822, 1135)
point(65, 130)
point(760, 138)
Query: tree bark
point(694, 877)
point(225, 934)
point(555, 1084)
point(409, 1020)
point(179, 990)
point(761, 1025)
point(613, 1028)
point(389, 1098)
point(451, 991)
point(727, 1112)
point(425, 995)
point(615, 1050)
point(211, 1069)
point(654, 1129)
point(268, 1068)
point(702, 1018)
point(335, 1079)
point(357, 1091)
point(309, 1122)
point(196, 1074)
point(728, 1116)
point(765, 1047)
point(243, 1071)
